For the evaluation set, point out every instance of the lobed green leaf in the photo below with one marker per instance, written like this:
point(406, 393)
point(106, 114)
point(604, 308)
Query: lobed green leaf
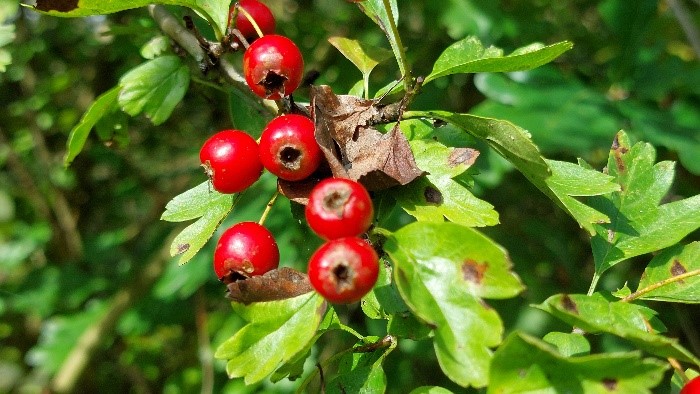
point(658, 281)
point(635, 323)
point(275, 333)
point(524, 364)
point(210, 206)
point(361, 371)
point(639, 224)
point(442, 271)
point(154, 88)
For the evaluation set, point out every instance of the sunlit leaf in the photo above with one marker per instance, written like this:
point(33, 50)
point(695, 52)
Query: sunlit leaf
point(275, 333)
point(635, 323)
point(658, 282)
point(443, 270)
point(154, 88)
point(524, 364)
point(104, 104)
point(380, 15)
point(568, 343)
point(215, 11)
point(638, 223)
point(470, 56)
point(210, 206)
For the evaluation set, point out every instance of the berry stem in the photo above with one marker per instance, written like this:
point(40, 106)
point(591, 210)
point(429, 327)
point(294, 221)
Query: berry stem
point(268, 208)
point(679, 369)
point(250, 19)
point(659, 284)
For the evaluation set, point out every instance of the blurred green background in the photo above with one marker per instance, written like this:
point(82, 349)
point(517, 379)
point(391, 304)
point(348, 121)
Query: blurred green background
point(83, 247)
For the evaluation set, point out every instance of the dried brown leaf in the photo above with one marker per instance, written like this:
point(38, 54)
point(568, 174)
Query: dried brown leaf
point(274, 285)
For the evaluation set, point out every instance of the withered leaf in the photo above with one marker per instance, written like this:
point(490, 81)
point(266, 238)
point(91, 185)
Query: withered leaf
point(356, 150)
point(274, 285)
point(56, 5)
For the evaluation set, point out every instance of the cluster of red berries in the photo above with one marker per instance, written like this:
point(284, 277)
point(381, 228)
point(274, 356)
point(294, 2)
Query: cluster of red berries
point(346, 267)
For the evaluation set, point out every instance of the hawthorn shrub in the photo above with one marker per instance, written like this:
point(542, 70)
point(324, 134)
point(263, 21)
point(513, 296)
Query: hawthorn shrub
point(441, 282)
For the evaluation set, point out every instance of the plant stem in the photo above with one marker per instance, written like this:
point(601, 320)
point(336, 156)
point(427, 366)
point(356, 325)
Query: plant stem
point(404, 67)
point(639, 293)
point(594, 283)
point(251, 20)
point(674, 363)
point(268, 208)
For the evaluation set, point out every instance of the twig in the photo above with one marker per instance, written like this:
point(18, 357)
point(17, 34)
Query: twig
point(682, 14)
point(659, 284)
point(268, 208)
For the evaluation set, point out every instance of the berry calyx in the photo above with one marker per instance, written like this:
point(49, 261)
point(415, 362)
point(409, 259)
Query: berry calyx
point(262, 16)
point(692, 387)
point(273, 67)
point(339, 208)
point(344, 270)
point(288, 147)
point(231, 160)
point(244, 250)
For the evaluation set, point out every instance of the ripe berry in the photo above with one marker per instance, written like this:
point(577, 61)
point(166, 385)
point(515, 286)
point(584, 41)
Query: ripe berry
point(273, 66)
point(244, 250)
point(261, 15)
point(339, 208)
point(344, 270)
point(692, 387)
point(288, 147)
point(231, 160)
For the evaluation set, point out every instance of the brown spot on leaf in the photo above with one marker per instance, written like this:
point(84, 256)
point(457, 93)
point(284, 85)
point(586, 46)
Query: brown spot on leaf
point(677, 268)
point(462, 156)
point(274, 285)
point(474, 272)
point(432, 195)
point(356, 150)
point(618, 152)
point(610, 384)
point(569, 304)
point(56, 5)
point(182, 248)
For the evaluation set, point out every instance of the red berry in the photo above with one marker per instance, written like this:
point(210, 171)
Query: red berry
point(244, 250)
point(344, 270)
point(692, 387)
point(288, 147)
point(231, 160)
point(273, 67)
point(261, 15)
point(339, 208)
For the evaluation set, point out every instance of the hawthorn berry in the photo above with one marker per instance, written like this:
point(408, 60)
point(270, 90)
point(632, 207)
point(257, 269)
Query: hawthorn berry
point(339, 208)
point(692, 387)
point(273, 66)
point(260, 14)
point(244, 250)
point(231, 160)
point(288, 147)
point(343, 270)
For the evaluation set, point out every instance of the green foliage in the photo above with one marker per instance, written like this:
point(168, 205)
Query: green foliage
point(84, 258)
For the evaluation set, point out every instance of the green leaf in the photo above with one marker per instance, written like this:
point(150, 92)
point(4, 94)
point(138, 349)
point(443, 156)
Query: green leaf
point(103, 105)
point(378, 13)
point(361, 371)
point(524, 364)
point(154, 88)
point(430, 390)
point(364, 56)
point(275, 332)
point(246, 114)
point(509, 140)
point(437, 195)
point(658, 281)
point(442, 271)
point(470, 56)
point(568, 344)
point(210, 206)
point(215, 11)
point(639, 224)
point(7, 35)
point(570, 180)
point(384, 300)
point(596, 314)
point(155, 47)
